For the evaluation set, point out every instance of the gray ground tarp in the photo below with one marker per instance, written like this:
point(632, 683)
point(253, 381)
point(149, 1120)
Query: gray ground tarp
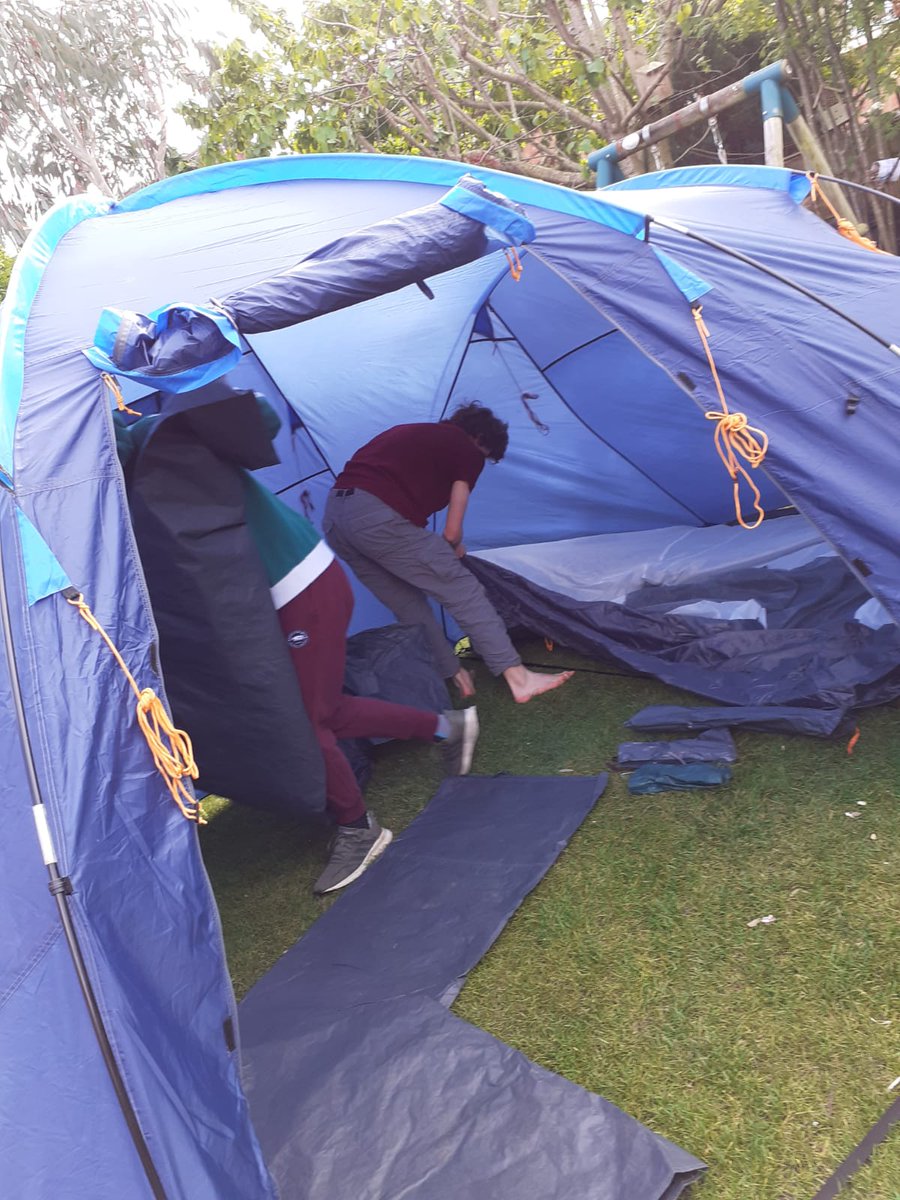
point(362, 1084)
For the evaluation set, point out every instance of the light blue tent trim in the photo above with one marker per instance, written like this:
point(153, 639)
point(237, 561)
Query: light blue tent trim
point(43, 574)
point(513, 226)
point(182, 381)
point(691, 286)
point(776, 179)
point(380, 168)
point(24, 281)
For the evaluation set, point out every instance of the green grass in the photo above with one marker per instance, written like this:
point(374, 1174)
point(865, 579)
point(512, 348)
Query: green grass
point(631, 969)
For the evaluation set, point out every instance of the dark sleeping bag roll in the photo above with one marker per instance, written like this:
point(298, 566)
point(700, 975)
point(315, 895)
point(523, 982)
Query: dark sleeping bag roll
point(228, 677)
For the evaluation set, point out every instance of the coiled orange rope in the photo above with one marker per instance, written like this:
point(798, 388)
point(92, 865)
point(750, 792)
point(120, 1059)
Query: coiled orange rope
point(171, 748)
point(734, 437)
point(844, 227)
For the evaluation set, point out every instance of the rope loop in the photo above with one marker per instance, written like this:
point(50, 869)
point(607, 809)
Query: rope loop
point(515, 263)
point(113, 385)
point(171, 749)
point(735, 438)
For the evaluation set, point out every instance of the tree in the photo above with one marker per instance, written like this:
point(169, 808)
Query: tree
point(536, 85)
point(6, 265)
point(845, 65)
point(530, 88)
point(82, 99)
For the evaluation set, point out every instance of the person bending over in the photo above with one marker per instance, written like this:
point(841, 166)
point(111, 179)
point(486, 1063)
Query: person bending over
point(376, 518)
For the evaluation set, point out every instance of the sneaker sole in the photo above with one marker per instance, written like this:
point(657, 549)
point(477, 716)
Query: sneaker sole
point(382, 842)
point(469, 738)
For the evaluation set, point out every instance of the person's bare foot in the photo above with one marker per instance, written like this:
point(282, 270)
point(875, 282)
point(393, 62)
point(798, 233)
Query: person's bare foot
point(525, 684)
point(464, 683)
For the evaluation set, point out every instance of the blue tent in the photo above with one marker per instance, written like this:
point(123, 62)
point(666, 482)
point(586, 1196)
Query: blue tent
point(591, 353)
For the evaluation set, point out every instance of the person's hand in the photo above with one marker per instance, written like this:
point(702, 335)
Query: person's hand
point(459, 550)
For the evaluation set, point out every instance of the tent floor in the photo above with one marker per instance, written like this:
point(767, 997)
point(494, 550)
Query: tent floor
point(361, 1082)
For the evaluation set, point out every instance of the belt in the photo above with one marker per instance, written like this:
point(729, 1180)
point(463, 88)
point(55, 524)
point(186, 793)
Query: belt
point(343, 491)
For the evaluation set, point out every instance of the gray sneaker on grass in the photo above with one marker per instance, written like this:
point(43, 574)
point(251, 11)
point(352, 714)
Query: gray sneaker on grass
point(457, 750)
point(352, 851)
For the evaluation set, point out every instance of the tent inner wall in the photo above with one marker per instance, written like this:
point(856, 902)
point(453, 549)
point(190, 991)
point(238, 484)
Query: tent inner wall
point(614, 445)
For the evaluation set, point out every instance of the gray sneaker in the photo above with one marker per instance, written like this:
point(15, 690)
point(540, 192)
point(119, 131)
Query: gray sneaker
point(352, 851)
point(457, 750)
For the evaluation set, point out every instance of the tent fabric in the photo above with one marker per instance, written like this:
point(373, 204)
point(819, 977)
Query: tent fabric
point(190, 345)
point(796, 183)
point(593, 359)
point(141, 906)
point(357, 1009)
point(752, 637)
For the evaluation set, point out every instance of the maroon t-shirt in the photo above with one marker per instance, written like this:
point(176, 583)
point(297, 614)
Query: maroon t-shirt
point(412, 468)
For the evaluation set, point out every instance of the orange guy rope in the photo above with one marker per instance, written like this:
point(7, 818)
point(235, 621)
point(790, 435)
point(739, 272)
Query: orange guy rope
point(113, 385)
point(171, 748)
point(734, 437)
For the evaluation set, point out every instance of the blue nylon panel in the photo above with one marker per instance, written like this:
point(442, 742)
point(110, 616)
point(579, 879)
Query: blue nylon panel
point(353, 373)
point(24, 282)
point(134, 862)
point(53, 1077)
point(791, 366)
point(547, 308)
point(619, 393)
point(43, 574)
point(562, 484)
point(778, 179)
point(374, 168)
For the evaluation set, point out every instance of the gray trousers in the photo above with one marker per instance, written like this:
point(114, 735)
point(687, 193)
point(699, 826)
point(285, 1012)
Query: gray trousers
point(403, 565)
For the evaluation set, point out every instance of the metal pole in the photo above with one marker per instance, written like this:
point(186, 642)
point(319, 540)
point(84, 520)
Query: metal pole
point(61, 888)
point(814, 156)
point(773, 122)
point(691, 114)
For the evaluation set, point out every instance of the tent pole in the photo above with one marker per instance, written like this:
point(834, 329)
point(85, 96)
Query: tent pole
point(676, 227)
point(859, 187)
point(61, 888)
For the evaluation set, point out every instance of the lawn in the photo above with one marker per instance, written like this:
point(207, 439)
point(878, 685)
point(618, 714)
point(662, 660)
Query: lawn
point(631, 968)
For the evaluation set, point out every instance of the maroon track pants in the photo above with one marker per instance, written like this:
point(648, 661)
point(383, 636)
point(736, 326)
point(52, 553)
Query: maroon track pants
point(323, 613)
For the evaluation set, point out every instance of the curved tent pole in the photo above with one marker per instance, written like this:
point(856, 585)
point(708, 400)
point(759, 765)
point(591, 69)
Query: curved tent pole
point(61, 889)
point(860, 187)
point(676, 227)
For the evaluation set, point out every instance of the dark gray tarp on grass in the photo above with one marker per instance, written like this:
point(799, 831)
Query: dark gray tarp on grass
point(360, 1081)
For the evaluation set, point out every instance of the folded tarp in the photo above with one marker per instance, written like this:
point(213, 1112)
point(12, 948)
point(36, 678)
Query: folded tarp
point(816, 722)
point(394, 663)
point(713, 745)
point(361, 1083)
point(653, 777)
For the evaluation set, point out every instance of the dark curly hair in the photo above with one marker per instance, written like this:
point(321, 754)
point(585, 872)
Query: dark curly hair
point(479, 423)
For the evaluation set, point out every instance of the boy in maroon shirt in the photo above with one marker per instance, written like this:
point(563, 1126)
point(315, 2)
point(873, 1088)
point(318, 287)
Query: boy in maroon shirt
point(376, 519)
